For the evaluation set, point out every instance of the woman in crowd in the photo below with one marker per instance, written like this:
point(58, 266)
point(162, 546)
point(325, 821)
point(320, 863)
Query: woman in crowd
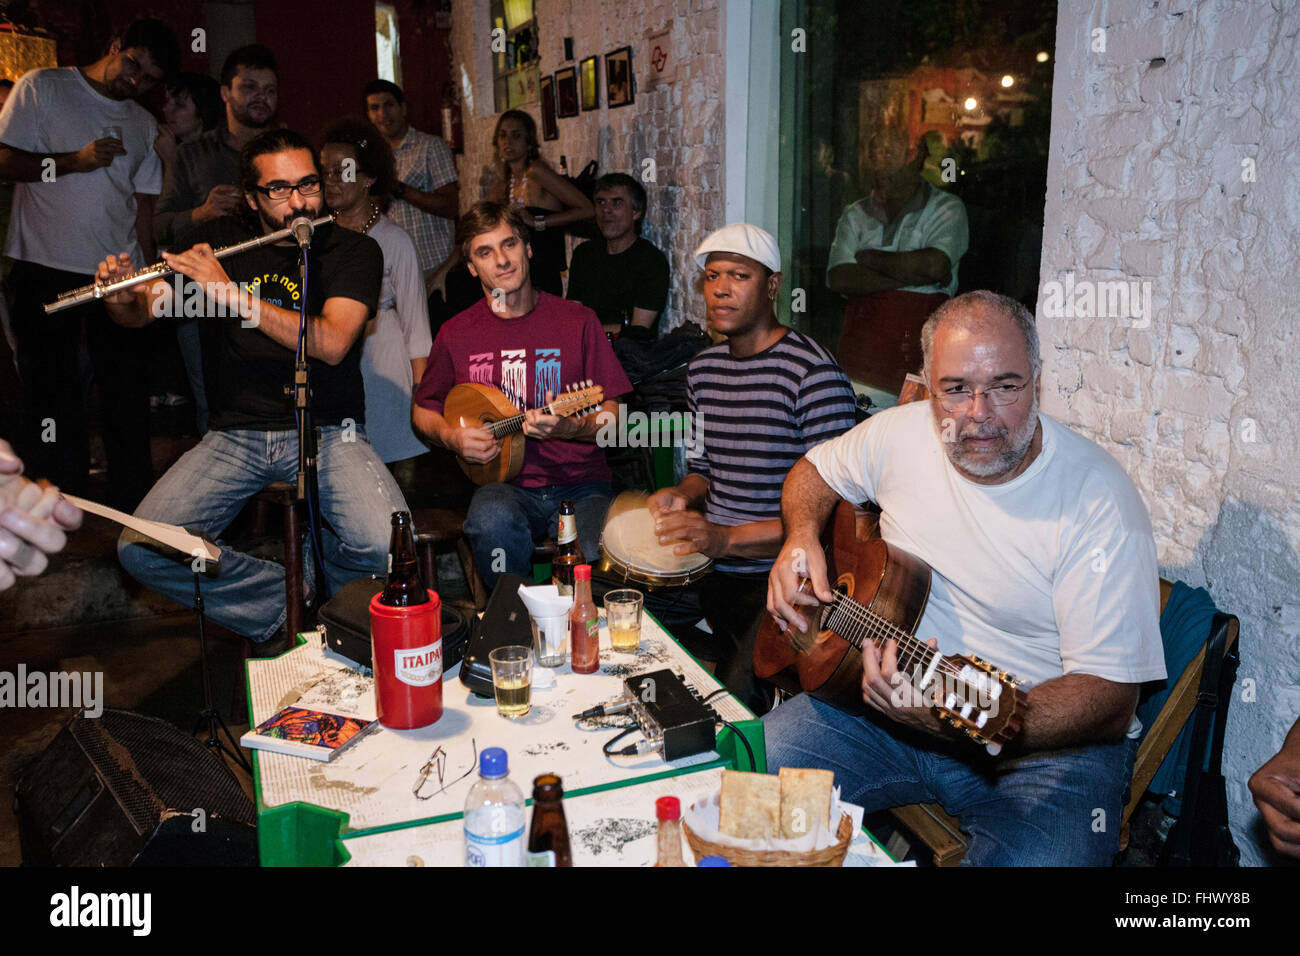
point(550, 200)
point(358, 167)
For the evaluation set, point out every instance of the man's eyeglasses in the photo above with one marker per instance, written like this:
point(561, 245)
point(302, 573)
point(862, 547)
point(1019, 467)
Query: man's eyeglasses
point(276, 192)
point(955, 399)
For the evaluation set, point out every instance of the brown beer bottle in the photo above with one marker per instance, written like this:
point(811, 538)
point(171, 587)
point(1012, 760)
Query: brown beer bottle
point(548, 837)
point(567, 553)
point(404, 587)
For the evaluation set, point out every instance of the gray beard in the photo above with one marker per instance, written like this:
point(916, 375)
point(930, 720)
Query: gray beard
point(1017, 447)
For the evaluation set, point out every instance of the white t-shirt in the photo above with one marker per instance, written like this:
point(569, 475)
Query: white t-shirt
point(1051, 573)
point(75, 221)
point(398, 333)
point(933, 219)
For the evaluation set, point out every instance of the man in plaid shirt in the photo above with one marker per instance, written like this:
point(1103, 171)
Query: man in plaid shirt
point(426, 196)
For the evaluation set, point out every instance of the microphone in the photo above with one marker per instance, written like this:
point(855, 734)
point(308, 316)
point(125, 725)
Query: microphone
point(302, 230)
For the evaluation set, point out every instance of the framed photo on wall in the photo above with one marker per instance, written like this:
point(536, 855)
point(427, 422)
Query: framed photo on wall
point(589, 82)
point(550, 128)
point(618, 77)
point(566, 92)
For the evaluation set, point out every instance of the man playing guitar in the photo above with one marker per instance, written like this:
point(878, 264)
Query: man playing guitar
point(528, 344)
point(1042, 560)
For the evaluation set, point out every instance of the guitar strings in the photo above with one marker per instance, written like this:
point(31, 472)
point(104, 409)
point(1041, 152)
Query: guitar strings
point(878, 629)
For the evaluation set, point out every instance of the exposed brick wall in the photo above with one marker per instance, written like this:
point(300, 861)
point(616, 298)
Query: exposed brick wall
point(1147, 182)
point(679, 126)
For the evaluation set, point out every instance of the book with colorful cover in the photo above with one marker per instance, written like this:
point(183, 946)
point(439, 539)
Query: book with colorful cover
point(328, 718)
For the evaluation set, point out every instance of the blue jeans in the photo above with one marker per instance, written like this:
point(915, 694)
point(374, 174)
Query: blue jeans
point(504, 521)
point(1052, 808)
point(208, 486)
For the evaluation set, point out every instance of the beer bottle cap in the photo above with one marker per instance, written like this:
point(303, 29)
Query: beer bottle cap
point(582, 572)
point(668, 808)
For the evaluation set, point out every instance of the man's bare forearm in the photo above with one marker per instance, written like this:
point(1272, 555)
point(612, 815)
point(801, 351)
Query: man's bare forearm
point(914, 267)
point(20, 166)
point(444, 202)
point(806, 501)
point(1076, 709)
point(430, 425)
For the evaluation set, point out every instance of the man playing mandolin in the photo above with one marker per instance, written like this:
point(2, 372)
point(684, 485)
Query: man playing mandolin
point(528, 344)
point(1042, 561)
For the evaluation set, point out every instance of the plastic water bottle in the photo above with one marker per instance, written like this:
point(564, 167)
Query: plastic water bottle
point(494, 815)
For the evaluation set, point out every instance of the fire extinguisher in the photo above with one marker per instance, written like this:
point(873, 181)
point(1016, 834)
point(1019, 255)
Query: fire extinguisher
point(452, 132)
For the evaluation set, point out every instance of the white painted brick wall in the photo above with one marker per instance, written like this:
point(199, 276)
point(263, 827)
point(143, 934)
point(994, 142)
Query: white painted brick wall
point(1145, 181)
point(678, 126)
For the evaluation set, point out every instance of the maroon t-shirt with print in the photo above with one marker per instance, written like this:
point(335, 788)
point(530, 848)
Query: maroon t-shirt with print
point(558, 343)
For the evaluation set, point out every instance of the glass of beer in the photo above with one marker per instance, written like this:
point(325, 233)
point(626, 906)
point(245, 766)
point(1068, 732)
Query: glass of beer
point(512, 680)
point(623, 612)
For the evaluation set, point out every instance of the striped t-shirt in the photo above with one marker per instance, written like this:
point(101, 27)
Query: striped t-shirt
point(755, 417)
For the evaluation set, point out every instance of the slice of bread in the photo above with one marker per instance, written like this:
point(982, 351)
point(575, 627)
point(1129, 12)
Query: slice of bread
point(750, 805)
point(805, 800)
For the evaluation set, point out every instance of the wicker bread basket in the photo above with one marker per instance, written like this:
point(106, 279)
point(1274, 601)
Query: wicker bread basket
point(738, 856)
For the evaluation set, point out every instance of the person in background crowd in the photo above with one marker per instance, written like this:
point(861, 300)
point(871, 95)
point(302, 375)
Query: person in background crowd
point(528, 182)
point(426, 189)
point(33, 519)
point(192, 105)
point(358, 168)
point(895, 257)
point(205, 185)
point(81, 152)
point(620, 276)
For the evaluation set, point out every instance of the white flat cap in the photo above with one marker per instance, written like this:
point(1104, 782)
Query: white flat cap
point(744, 239)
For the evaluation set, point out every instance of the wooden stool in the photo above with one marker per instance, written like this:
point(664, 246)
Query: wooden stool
point(438, 530)
point(286, 496)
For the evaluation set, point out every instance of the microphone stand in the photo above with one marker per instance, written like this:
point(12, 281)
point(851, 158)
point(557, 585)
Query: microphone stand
point(308, 487)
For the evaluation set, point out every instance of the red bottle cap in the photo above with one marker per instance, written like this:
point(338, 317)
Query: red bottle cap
point(582, 572)
point(668, 808)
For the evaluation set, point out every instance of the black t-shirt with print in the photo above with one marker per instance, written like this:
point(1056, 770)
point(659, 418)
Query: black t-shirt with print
point(245, 372)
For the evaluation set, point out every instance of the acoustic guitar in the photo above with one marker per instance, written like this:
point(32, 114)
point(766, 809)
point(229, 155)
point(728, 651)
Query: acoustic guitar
point(880, 593)
point(489, 407)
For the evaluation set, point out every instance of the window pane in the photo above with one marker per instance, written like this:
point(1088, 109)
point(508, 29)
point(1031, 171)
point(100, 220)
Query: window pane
point(388, 52)
point(914, 165)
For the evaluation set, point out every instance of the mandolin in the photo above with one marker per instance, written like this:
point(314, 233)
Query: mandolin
point(880, 593)
point(485, 405)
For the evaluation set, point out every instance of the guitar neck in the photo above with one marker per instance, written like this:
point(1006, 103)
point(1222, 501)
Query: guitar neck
point(858, 624)
point(569, 404)
point(508, 426)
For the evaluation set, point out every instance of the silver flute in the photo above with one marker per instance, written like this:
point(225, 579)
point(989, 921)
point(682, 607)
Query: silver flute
point(160, 270)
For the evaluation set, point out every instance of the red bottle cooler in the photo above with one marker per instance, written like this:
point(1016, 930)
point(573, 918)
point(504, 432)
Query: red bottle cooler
point(407, 655)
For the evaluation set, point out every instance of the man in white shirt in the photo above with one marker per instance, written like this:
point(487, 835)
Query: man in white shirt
point(1043, 562)
point(81, 152)
point(895, 256)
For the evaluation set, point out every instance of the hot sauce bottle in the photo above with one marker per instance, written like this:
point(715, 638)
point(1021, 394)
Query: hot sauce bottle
point(584, 625)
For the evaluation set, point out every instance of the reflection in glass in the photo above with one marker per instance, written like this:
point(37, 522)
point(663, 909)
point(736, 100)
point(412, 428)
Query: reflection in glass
point(914, 159)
